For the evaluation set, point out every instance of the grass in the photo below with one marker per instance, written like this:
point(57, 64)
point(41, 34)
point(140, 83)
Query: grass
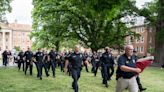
point(12, 80)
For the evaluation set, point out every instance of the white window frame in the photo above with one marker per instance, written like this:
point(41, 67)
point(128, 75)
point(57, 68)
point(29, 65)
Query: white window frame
point(142, 39)
point(142, 49)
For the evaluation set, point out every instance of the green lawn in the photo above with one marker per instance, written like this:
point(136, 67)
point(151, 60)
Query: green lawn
point(12, 80)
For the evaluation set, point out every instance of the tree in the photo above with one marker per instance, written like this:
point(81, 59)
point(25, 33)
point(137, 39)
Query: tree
point(159, 49)
point(97, 23)
point(49, 29)
point(4, 8)
point(153, 12)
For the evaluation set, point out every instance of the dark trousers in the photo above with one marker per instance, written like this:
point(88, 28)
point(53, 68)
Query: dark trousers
point(62, 66)
point(42, 65)
point(5, 61)
point(29, 64)
point(139, 82)
point(69, 69)
point(95, 72)
point(53, 66)
point(75, 75)
point(93, 67)
point(19, 64)
point(37, 68)
point(110, 73)
point(105, 73)
point(48, 64)
point(86, 67)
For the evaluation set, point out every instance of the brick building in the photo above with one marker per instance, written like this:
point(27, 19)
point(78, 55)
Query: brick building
point(145, 44)
point(15, 35)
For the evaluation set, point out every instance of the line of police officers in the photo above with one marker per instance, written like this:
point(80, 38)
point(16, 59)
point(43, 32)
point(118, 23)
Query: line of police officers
point(71, 63)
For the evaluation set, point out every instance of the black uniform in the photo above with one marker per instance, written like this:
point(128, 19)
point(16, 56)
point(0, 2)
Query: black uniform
point(67, 55)
point(39, 58)
point(5, 58)
point(123, 60)
point(53, 56)
point(46, 62)
point(62, 61)
point(76, 60)
point(95, 61)
point(85, 57)
point(107, 64)
point(29, 63)
point(20, 60)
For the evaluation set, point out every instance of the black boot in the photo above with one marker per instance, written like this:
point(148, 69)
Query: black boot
point(106, 85)
point(141, 88)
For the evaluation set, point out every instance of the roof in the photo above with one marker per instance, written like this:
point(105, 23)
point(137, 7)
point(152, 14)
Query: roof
point(16, 26)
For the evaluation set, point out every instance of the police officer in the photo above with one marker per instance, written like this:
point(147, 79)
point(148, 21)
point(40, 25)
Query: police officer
point(28, 59)
point(46, 61)
point(85, 60)
point(5, 57)
point(20, 59)
point(69, 66)
point(52, 57)
point(107, 64)
point(95, 61)
point(62, 61)
point(141, 88)
point(75, 60)
point(126, 71)
point(39, 58)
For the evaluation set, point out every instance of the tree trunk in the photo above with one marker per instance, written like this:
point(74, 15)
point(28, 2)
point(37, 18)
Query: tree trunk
point(57, 44)
point(159, 46)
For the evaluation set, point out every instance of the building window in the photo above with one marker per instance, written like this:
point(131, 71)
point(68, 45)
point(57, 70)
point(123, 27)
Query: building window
point(137, 31)
point(6, 40)
point(150, 41)
point(137, 40)
point(6, 47)
point(142, 29)
point(142, 49)
point(142, 39)
point(23, 34)
point(137, 49)
point(150, 30)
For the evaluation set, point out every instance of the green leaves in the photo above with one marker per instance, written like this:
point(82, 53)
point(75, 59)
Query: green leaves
point(97, 23)
point(4, 8)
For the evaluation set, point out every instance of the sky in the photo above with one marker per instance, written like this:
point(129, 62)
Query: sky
point(21, 10)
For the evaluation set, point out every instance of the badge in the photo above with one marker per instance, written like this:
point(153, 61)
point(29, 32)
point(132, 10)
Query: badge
point(127, 62)
point(74, 56)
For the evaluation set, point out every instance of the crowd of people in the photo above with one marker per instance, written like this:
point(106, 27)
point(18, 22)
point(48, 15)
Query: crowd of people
point(71, 62)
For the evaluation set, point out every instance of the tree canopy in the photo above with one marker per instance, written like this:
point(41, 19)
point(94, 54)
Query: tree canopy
point(4, 8)
point(97, 23)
